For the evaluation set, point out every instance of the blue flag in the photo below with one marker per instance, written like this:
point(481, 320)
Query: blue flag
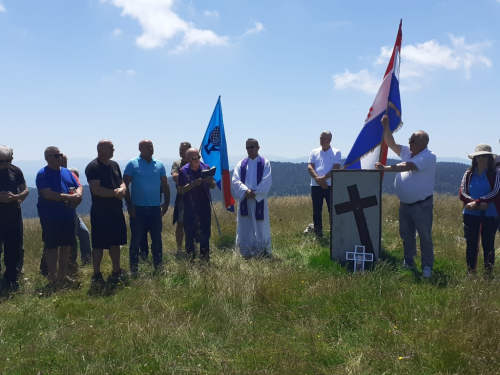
point(213, 150)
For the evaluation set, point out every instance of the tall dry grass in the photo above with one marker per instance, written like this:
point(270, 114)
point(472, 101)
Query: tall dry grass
point(297, 314)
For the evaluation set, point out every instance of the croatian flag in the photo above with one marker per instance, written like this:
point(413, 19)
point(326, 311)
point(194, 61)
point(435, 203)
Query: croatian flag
point(370, 147)
point(213, 150)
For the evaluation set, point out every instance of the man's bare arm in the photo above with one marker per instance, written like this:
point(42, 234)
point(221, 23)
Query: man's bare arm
point(100, 191)
point(388, 137)
point(401, 167)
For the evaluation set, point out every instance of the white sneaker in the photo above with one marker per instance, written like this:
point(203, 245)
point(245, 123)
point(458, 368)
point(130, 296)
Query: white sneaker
point(426, 272)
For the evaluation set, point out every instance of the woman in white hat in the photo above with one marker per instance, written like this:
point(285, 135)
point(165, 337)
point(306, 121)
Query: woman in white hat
point(480, 192)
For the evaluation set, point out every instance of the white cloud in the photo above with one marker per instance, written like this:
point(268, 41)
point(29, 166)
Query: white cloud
point(257, 29)
point(2, 7)
point(419, 61)
point(214, 13)
point(362, 81)
point(160, 24)
point(117, 32)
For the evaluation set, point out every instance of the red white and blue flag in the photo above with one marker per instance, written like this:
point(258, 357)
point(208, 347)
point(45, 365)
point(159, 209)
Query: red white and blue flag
point(370, 147)
point(213, 150)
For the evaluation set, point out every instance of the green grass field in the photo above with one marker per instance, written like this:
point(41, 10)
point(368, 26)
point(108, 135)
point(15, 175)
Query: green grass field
point(297, 314)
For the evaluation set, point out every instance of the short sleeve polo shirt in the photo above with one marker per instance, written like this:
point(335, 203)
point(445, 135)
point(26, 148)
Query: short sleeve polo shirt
point(416, 185)
point(324, 161)
point(146, 177)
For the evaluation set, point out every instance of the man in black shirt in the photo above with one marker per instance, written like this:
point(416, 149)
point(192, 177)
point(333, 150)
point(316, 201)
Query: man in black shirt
point(109, 230)
point(13, 191)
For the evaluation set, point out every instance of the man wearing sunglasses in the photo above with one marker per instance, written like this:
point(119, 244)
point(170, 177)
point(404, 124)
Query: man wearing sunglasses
point(197, 200)
point(13, 190)
point(59, 193)
point(250, 185)
point(414, 185)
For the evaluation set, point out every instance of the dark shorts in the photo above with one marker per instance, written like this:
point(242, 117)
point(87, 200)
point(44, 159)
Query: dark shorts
point(108, 229)
point(57, 233)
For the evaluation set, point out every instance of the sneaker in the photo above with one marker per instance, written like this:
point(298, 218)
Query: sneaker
point(426, 272)
point(407, 266)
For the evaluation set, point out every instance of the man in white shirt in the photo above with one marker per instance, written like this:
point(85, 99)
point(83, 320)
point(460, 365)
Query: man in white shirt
point(321, 162)
point(250, 185)
point(415, 188)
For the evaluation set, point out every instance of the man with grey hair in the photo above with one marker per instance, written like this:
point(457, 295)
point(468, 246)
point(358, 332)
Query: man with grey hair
point(321, 162)
point(59, 193)
point(13, 191)
point(414, 185)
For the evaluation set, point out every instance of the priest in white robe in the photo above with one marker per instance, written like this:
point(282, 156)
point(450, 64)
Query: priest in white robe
point(250, 185)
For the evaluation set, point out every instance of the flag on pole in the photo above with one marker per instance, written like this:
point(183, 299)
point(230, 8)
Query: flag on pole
point(213, 150)
point(370, 147)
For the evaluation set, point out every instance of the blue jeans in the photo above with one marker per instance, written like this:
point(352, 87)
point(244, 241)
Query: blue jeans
point(149, 216)
point(318, 194)
point(415, 218)
point(84, 237)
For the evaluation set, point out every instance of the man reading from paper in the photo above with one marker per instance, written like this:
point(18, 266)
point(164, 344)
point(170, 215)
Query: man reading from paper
point(250, 184)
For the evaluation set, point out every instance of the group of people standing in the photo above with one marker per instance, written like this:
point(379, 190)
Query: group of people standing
point(143, 184)
point(414, 184)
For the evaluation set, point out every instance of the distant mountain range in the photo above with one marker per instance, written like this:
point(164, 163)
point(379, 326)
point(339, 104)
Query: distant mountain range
point(289, 179)
point(31, 167)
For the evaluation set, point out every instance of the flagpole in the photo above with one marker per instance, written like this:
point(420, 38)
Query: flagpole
point(388, 104)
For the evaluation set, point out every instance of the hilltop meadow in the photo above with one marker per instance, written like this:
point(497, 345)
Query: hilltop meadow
point(298, 313)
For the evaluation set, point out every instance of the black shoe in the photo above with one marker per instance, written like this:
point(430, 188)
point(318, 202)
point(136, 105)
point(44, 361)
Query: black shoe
point(118, 275)
point(97, 278)
point(12, 286)
point(72, 268)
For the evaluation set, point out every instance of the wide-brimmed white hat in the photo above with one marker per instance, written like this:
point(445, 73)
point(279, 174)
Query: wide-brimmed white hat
point(482, 149)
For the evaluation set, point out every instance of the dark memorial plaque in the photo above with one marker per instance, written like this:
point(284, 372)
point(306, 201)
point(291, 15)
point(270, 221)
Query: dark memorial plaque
point(356, 212)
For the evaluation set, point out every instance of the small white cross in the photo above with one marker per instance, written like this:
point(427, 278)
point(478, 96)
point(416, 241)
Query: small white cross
point(359, 257)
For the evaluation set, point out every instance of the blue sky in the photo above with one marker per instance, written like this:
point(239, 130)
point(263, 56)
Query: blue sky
point(73, 72)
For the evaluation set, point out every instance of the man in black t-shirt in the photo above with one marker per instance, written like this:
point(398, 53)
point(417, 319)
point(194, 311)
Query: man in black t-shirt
point(13, 191)
point(109, 230)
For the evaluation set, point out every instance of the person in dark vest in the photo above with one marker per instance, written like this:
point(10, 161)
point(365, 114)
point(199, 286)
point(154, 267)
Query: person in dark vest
point(250, 185)
point(197, 201)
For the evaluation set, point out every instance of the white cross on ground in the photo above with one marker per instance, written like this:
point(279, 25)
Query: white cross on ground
point(359, 257)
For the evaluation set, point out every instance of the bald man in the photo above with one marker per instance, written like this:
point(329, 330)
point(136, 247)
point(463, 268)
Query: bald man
point(109, 230)
point(143, 177)
point(415, 188)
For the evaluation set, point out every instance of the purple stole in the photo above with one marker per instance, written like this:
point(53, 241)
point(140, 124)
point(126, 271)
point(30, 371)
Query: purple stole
point(259, 209)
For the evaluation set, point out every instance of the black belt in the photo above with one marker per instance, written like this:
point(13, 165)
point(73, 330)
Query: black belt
point(417, 202)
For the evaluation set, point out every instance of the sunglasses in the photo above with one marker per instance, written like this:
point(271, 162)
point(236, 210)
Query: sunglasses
point(57, 156)
point(5, 161)
point(482, 156)
point(250, 147)
point(411, 140)
point(196, 157)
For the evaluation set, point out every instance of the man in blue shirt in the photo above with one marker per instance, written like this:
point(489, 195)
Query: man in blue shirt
point(59, 193)
point(143, 177)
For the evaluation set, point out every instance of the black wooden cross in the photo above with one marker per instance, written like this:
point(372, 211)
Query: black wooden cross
point(357, 205)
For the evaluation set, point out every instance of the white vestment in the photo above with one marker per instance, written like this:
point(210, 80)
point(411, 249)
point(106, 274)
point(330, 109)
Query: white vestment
point(253, 237)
